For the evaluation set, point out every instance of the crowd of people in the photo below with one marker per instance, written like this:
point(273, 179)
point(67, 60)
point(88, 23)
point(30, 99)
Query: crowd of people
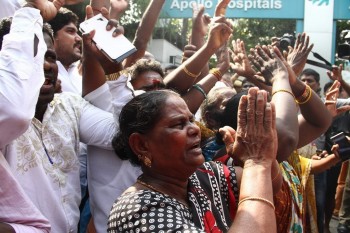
point(92, 146)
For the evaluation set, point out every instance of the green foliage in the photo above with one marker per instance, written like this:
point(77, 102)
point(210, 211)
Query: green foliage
point(260, 31)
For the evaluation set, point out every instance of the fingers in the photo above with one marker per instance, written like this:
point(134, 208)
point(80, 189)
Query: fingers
point(273, 115)
point(260, 111)
point(220, 9)
point(343, 109)
point(87, 37)
point(335, 149)
point(89, 13)
point(197, 10)
point(114, 24)
point(252, 96)
point(268, 119)
point(242, 115)
point(105, 12)
point(228, 134)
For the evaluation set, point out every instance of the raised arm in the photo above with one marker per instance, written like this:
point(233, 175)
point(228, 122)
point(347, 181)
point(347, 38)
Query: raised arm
point(21, 76)
point(144, 31)
point(197, 94)
point(314, 118)
point(182, 78)
point(21, 67)
point(255, 146)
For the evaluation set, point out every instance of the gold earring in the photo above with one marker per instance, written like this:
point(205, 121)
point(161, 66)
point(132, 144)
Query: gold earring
point(147, 162)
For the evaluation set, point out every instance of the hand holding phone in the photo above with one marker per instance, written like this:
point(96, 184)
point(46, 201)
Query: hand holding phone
point(115, 48)
point(344, 145)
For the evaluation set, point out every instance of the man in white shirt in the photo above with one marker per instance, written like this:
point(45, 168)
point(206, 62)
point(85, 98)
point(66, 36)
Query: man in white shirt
point(21, 74)
point(44, 159)
point(68, 49)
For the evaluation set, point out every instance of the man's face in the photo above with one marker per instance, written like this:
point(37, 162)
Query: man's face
point(68, 44)
point(311, 82)
point(148, 81)
point(47, 90)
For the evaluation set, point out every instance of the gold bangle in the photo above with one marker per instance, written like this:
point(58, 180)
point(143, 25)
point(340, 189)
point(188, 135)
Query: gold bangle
point(257, 199)
point(284, 90)
point(217, 73)
point(111, 77)
point(189, 73)
point(306, 96)
point(303, 95)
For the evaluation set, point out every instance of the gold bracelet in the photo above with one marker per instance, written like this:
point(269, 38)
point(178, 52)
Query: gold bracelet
point(111, 77)
point(189, 73)
point(257, 199)
point(284, 90)
point(306, 96)
point(217, 73)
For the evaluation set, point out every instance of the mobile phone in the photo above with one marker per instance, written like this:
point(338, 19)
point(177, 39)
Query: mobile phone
point(115, 48)
point(344, 145)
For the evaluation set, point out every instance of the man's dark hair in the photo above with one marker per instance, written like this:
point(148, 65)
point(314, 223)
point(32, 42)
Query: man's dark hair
point(144, 65)
point(63, 18)
point(311, 72)
point(170, 67)
point(5, 26)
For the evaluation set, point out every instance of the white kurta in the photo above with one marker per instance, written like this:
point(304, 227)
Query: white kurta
point(45, 158)
point(21, 76)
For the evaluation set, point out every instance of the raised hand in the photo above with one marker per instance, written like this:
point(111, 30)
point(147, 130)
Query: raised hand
point(241, 64)
point(200, 20)
point(331, 100)
point(90, 49)
point(220, 9)
point(117, 8)
point(297, 56)
point(220, 32)
point(48, 9)
point(335, 74)
point(223, 57)
point(256, 136)
point(268, 63)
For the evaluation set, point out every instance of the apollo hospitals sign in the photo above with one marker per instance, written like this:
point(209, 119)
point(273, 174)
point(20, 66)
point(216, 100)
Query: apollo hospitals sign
point(269, 9)
point(282, 9)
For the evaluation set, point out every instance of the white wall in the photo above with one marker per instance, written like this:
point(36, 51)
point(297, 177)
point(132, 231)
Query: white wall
point(162, 50)
point(318, 24)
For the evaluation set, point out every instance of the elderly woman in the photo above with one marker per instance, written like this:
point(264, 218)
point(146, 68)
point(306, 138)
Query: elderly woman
point(178, 191)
